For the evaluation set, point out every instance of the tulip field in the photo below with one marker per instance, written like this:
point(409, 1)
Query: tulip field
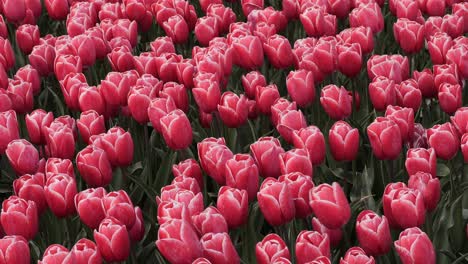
point(238, 131)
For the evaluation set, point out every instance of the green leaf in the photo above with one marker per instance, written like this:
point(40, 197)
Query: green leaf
point(442, 170)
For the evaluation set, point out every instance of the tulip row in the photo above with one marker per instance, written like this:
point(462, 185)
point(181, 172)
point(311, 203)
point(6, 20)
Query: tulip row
point(305, 191)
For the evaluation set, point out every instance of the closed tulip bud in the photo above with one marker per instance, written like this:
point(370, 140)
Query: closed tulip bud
point(404, 118)
point(296, 160)
point(206, 29)
point(151, 81)
point(146, 63)
point(5, 100)
point(311, 139)
point(61, 142)
point(29, 74)
point(57, 166)
point(57, 9)
point(301, 88)
point(118, 145)
point(425, 81)
point(159, 108)
point(42, 59)
point(281, 106)
point(94, 166)
point(7, 57)
point(265, 98)
point(218, 248)
point(169, 210)
point(21, 96)
point(270, 249)
point(112, 240)
point(171, 127)
point(88, 204)
point(233, 204)
point(406, 9)
point(177, 29)
point(223, 14)
point(70, 87)
point(394, 67)
point(369, 15)
point(464, 147)
point(349, 59)
point(336, 101)
point(19, 217)
point(413, 243)
point(453, 25)
point(118, 205)
point(421, 160)
point(311, 245)
point(56, 253)
point(210, 221)
point(23, 156)
point(458, 55)
point(242, 173)
point(428, 186)
point(360, 35)
point(86, 251)
point(356, 255)
point(27, 36)
point(91, 98)
point(373, 233)
point(233, 109)
point(408, 94)
point(14, 11)
point(278, 51)
point(385, 138)
point(30, 187)
point(65, 64)
point(445, 73)
point(266, 151)
point(60, 190)
point(90, 124)
point(15, 249)
point(343, 141)
point(207, 94)
point(327, 200)
point(250, 81)
point(317, 22)
point(461, 10)
point(444, 140)
point(35, 123)
point(299, 186)
point(450, 97)
point(121, 59)
point(178, 242)
point(276, 202)
point(438, 46)
point(162, 45)
point(139, 100)
point(404, 207)
point(178, 93)
point(382, 93)
point(290, 121)
point(137, 231)
point(248, 51)
point(409, 35)
point(8, 128)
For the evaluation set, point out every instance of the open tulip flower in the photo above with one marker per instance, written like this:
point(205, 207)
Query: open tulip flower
point(237, 131)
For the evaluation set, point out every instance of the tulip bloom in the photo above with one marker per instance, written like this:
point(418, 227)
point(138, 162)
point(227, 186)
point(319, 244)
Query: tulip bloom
point(19, 217)
point(421, 160)
point(335, 235)
point(343, 141)
point(219, 249)
point(242, 173)
point(88, 204)
point(444, 140)
point(265, 152)
point(270, 249)
point(414, 243)
point(31, 188)
point(233, 205)
point(60, 190)
point(276, 202)
point(112, 240)
point(23, 156)
point(311, 245)
point(210, 221)
point(330, 205)
point(356, 255)
point(385, 138)
point(404, 207)
point(428, 186)
point(14, 249)
point(373, 233)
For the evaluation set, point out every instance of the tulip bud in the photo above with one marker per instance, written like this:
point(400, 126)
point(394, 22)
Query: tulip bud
point(368, 15)
point(23, 156)
point(335, 235)
point(425, 80)
point(382, 93)
point(312, 140)
point(233, 205)
point(327, 200)
point(188, 168)
point(172, 126)
point(60, 191)
point(299, 186)
point(7, 56)
point(412, 243)
point(21, 96)
point(409, 35)
point(118, 205)
point(35, 123)
point(8, 128)
point(317, 22)
point(265, 152)
point(177, 29)
point(27, 36)
point(428, 186)
point(233, 109)
point(213, 158)
point(404, 207)
point(61, 142)
point(42, 59)
point(265, 97)
point(278, 51)
point(450, 97)
point(464, 147)
point(385, 138)
point(242, 173)
point(438, 45)
point(178, 242)
point(373, 233)
point(404, 118)
point(89, 206)
point(112, 240)
point(356, 255)
point(31, 188)
point(248, 51)
point(336, 101)
point(218, 248)
point(19, 217)
point(276, 202)
point(421, 160)
point(311, 245)
point(344, 141)
point(137, 231)
point(207, 94)
point(15, 249)
point(250, 81)
point(210, 221)
point(85, 251)
point(271, 248)
point(349, 58)
point(444, 140)
point(408, 94)
point(118, 145)
point(90, 124)
point(94, 166)
point(301, 88)
point(296, 160)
